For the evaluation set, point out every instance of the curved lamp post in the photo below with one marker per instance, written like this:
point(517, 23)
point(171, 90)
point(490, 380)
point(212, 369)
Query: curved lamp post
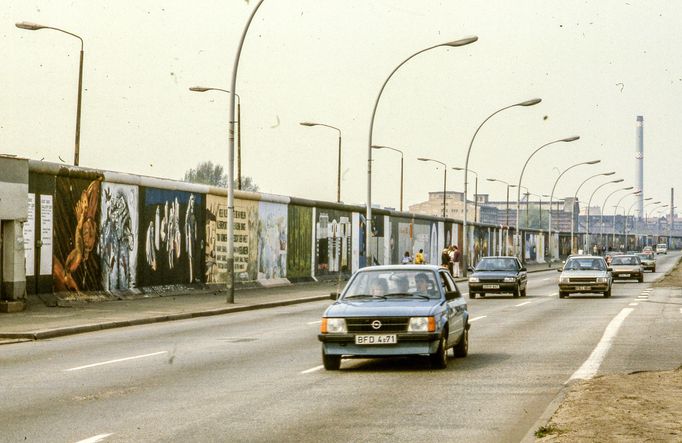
point(603, 206)
point(338, 174)
point(368, 221)
point(445, 179)
point(465, 234)
point(475, 191)
point(517, 236)
point(402, 158)
point(506, 248)
point(230, 164)
point(575, 197)
point(551, 197)
point(589, 202)
point(627, 215)
point(34, 27)
point(239, 128)
point(615, 212)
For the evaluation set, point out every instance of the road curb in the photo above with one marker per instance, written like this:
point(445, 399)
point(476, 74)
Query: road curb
point(80, 329)
point(547, 414)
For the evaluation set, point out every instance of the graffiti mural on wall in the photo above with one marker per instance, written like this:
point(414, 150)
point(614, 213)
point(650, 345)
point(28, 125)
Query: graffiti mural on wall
point(118, 236)
point(333, 242)
point(170, 222)
point(411, 236)
point(272, 240)
point(480, 243)
point(76, 265)
point(299, 253)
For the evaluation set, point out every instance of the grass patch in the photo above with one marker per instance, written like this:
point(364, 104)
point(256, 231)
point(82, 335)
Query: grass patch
point(544, 431)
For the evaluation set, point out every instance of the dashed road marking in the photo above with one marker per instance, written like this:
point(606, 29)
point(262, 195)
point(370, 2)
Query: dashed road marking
point(477, 318)
point(633, 304)
point(316, 368)
point(591, 366)
point(553, 294)
point(95, 439)
point(314, 322)
point(118, 360)
point(524, 303)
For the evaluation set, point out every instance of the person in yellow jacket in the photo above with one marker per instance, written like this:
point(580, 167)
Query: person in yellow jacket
point(419, 258)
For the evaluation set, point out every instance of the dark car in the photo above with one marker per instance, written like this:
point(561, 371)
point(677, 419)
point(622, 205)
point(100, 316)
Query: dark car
point(497, 275)
point(389, 311)
point(626, 267)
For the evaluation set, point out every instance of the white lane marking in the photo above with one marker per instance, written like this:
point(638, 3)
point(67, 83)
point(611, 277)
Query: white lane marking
point(95, 439)
point(633, 304)
point(680, 310)
point(115, 361)
point(477, 318)
point(591, 366)
point(524, 303)
point(314, 322)
point(308, 371)
point(545, 279)
point(553, 294)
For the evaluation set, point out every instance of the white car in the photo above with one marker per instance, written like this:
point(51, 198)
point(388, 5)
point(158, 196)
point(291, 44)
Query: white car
point(662, 248)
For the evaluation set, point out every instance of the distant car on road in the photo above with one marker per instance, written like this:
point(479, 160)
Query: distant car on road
point(648, 261)
point(496, 275)
point(627, 267)
point(662, 248)
point(396, 310)
point(585, 274)
point(647, 249)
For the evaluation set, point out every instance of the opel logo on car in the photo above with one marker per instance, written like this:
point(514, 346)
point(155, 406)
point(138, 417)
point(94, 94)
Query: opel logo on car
point(376, 324)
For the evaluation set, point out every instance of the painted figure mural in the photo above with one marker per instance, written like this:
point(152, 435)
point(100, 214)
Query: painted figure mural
point(173, 247)
point(118, 236)
point(333, 234)
point(272, 241)
point(76, 266)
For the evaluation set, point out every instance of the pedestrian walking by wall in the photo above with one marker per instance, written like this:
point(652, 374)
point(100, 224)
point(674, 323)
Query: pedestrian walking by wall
point(445, 258)
point(451, 263)
point(419, 258)
point(455, 260)
point(406, 258)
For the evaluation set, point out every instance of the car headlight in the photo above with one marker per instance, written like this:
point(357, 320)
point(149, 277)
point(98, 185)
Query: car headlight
point(509, 279)
point(602, 280)
point(422, 324)
point(563, 279)
point(473, 280)
point(333, 326)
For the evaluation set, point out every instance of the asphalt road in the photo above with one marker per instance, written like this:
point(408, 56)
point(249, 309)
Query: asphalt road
point(257, 376)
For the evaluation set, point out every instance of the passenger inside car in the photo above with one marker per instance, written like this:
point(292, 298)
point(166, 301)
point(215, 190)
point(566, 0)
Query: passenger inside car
point(378, 287)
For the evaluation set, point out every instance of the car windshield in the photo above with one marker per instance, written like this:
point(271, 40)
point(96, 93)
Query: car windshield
point(497, 264)
point(644, 256)
point(585, 264)
point(625, 260)
point(393, 283)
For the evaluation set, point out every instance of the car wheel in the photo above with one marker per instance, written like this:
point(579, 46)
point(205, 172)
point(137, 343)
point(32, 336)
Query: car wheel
point(523, 293)
point(653, 270)
point(439, 359)
point(607, 293)
point(641, 279)
point(331, 362)
point(563, 294)
point(517, 292)
point(472, 295)
point(481, 294)
point(462, 348)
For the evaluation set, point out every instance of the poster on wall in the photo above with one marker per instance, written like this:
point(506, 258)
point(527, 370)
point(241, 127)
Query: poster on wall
point(333, 241)
point(215, 252)
point(171, 228)
point(480, 243)
point(45, 235)
point(299, 253)
point(118, 240)
point(76, 262)
point(29, 236)
point(272, 240)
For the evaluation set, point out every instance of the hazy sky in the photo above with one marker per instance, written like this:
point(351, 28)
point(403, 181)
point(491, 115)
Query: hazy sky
point(595, 64)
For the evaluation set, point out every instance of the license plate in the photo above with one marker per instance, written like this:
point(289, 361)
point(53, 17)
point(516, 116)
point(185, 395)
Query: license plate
point(491, 286)
point(376, 339)
point(624, 275)
point(582, 288)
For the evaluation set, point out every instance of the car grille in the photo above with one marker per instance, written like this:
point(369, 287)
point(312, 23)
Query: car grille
point(582, 280)
point(491, 280)
point(388, 324)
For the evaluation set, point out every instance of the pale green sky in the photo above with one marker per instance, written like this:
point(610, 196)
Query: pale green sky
point(596, 65)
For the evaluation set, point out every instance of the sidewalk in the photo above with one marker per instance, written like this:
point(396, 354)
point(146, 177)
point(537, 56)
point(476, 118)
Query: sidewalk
point(39, 321)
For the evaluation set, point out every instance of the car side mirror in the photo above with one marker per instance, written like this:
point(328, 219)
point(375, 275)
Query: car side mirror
point(609, 269)
point(470, 269)
point(334, 295)
point(523, 269)
point(560, 269)
point(451, 295)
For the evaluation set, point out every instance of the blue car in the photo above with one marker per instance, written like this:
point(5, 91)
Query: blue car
point(387, 311)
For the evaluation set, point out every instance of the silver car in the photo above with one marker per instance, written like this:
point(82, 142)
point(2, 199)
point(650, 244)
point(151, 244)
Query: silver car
point(627, 267)
point(584, 274)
